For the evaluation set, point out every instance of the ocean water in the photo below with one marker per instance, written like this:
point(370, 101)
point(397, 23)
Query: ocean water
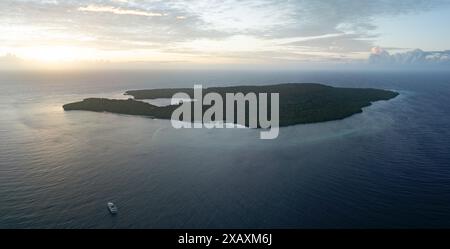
point(388, 167)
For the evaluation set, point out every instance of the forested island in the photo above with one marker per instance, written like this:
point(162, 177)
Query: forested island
point(299, 103)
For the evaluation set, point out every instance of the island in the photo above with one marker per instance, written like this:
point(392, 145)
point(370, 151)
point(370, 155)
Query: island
point(299, 103)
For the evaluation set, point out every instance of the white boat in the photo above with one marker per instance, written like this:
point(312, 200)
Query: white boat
point(112, 208)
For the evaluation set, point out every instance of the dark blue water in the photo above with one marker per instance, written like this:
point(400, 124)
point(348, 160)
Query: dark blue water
point(388, 167)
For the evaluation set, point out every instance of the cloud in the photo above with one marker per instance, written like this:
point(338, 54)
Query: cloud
point(417, 57)
point(11, 62)
point(265, 29)
point(9, 58)
point(117, 11)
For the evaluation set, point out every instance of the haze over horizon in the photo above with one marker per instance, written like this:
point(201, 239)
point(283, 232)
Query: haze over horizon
point(256, 34)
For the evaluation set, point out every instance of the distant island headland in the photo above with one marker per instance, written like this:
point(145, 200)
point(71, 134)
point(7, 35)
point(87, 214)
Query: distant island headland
point(300, 103)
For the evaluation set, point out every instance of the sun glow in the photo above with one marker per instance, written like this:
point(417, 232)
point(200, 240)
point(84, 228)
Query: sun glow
point(56, 54)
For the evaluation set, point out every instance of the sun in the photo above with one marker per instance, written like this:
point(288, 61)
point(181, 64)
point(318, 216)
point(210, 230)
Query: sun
point(52, 54)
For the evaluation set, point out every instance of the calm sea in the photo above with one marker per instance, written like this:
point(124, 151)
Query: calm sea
point(388, 167)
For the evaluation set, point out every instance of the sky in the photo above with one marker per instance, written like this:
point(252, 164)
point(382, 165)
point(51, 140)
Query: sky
point(223, 33)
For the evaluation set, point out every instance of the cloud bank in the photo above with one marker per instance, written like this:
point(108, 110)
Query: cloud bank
point(417, 57)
